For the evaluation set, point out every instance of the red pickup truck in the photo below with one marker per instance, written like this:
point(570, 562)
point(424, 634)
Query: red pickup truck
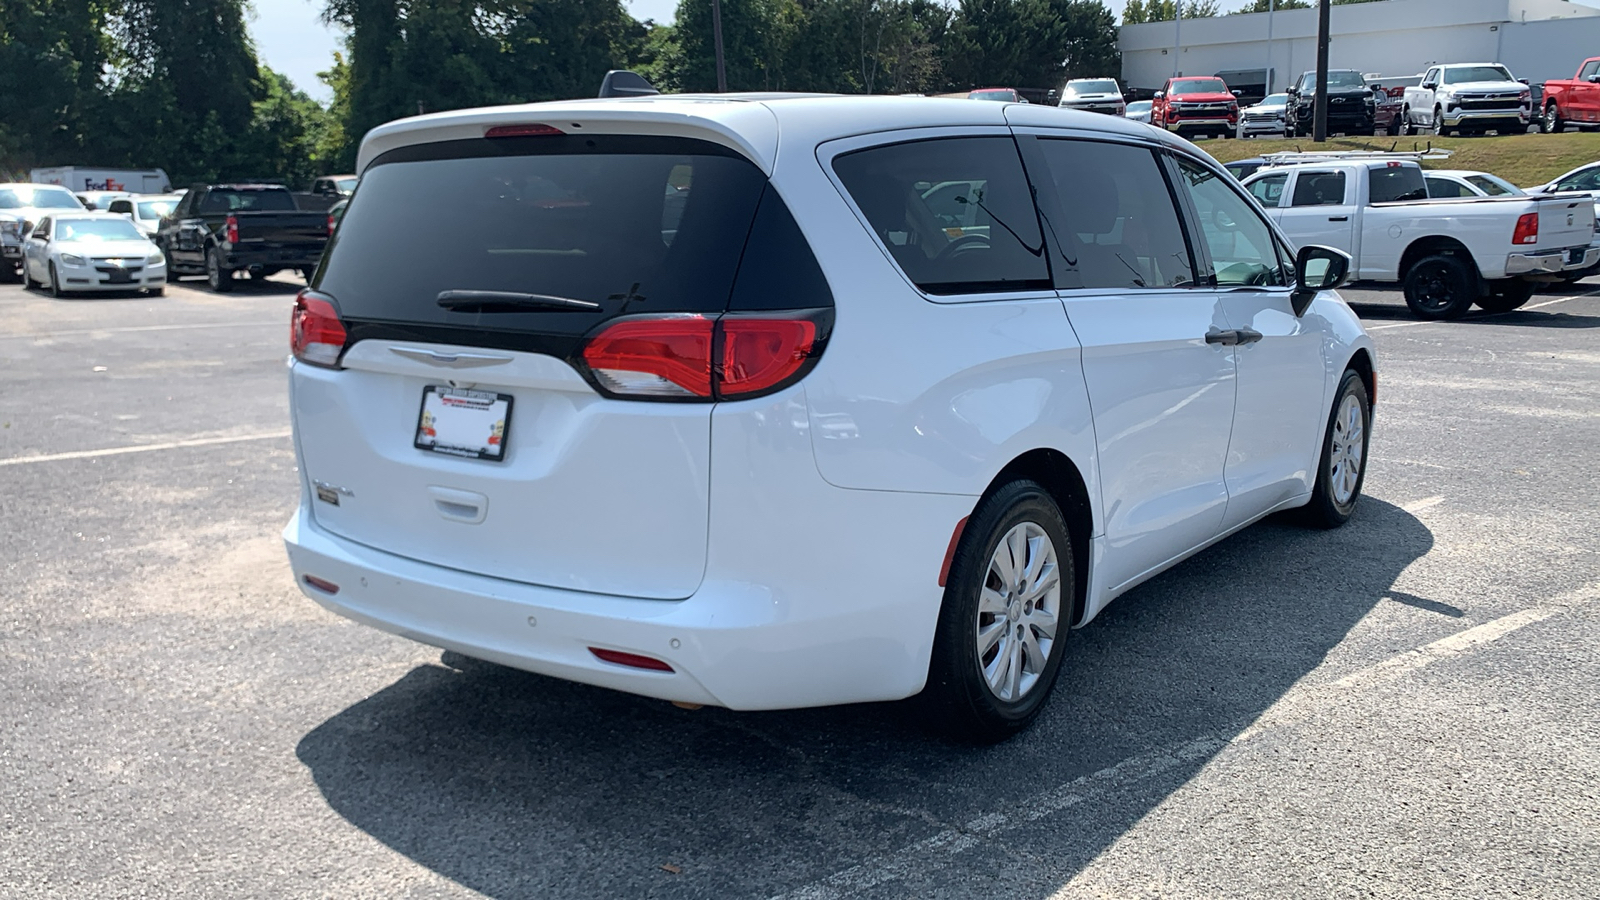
point(1575, 102)
point(1195, 106)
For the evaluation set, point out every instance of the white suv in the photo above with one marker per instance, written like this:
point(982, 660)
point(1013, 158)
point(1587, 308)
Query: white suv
point(777, 402)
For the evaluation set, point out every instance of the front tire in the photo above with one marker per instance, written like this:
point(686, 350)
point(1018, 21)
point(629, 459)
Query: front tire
point(1552, 123)
point(1440, 287)
point(1008, 605)
point(1342, 469)
point(1439, 128)
point(55, 283)
point(27, 280)
point(1409, 128)
point(219, 279)
point(1507, 295)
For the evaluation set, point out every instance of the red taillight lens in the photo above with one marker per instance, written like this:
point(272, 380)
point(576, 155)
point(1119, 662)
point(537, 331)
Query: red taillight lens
point(632, 660)
point(1527, 230)
point(760, 353)
point(665, 357)
point(530, 129)
point(671, 357)
point(316, 335)
point(233, 230)
point(331, 222)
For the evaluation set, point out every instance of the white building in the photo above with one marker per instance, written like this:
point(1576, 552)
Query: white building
point(1537, 39)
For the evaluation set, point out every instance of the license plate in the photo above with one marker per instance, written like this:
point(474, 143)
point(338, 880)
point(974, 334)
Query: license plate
point(473, 424)
point(1576, 256)
point(119, 276)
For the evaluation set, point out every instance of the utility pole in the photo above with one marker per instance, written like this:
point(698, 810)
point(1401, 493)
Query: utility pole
point(1177, 40)
point(1267, 74)
point(716, 31)
point(1321, 120)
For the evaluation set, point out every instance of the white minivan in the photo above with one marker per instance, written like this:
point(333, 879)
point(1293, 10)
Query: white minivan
point(770, 402)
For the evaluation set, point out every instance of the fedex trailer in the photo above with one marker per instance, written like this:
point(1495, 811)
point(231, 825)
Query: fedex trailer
point(79, 179)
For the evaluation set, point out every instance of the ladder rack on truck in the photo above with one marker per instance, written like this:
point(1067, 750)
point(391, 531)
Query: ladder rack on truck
point(1293, 157)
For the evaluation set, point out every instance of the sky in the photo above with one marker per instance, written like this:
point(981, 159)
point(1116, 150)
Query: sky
point(291, 39)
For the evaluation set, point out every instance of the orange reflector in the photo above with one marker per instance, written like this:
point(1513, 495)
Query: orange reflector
point(632, 660)
point(529, 129)
point(950, 551)
point(323, 585)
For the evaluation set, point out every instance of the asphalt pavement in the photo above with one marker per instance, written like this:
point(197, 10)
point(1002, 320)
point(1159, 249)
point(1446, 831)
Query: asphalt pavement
point(1404, 707)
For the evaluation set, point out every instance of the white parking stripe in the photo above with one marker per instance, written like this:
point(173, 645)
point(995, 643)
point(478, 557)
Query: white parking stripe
point(938, 851)
point(144, 448)
point(1417, 506)
point(1520, 309)
point(132, 328)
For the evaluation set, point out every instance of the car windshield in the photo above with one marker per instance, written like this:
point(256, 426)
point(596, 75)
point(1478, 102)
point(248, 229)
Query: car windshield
point(1468, 74)
point(1493, 185)
point(156, 209)
point(1141, 106)
point(1200, 86)
point(347, 184)
point(24, 195)
point(1092, 87)
point(1274, 100)
point(1346, 80)
point(94, 231)
point(1004, 96)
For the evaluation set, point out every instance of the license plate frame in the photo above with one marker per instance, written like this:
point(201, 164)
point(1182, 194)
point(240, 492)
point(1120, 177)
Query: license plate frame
point(458, 411)
point(1575, 255)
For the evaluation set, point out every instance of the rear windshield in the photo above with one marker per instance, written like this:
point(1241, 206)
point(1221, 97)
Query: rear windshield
point(247, 200)
point(635, 224)
point(1398, 183)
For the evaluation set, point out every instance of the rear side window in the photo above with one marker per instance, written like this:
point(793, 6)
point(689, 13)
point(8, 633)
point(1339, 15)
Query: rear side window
point(955, 213)
point(778, 269)
point(1117, 225)
point(1392, 183)
point(1269, 189)
point(1318, 189)
point(635, 224)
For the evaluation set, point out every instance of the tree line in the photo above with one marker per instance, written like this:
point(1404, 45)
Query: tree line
point(1140, 11)
point(178, 84)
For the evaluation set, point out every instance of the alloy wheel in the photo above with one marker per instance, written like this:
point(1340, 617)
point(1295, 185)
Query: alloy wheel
point(1434, 292)
point(1019, 610)
point(1347, 450)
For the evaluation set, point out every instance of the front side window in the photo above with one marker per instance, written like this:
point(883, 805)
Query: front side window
point(1238, 240)
point(1493, 185)
point(1587, 180)
point(955, 213)
point(1269, 189)
point(1116, 225)
point(1444, 189)
point(42, 230)
point(1318, 189)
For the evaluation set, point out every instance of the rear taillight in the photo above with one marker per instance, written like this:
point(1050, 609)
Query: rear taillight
point(526, 129)
point(233, 230)
point(331, 222)
point(1527, 230)
point(316, 335)
point(695, 357)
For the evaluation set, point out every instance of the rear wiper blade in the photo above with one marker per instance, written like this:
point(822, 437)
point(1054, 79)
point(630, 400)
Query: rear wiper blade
point(510, 301)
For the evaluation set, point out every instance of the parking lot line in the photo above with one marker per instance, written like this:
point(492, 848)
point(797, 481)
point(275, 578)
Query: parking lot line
point(1417, 506)
point(1519, 309)
point(938, 851)
point(132, 328)
point(144, 448)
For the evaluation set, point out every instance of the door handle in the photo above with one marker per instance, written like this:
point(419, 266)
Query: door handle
point(1338, 218)
point(1249, 335)
point(1225, 338)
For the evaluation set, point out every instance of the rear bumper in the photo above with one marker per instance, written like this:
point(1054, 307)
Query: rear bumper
point(283, 258)
point(1552, 261)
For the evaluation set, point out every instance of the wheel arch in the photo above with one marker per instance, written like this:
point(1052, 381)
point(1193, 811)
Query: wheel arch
point(1361, 363)
point(1437, 245)
point(1063, 479)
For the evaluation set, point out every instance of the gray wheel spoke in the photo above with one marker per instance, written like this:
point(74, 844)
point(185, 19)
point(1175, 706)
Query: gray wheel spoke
point(992, 602)
point(998, 671)
point(990, 636)
point(1033, 654)
point(1017, 546)
point(1047, 581)
point(1044, 622)
point(1035, 563)
point(1014, 671)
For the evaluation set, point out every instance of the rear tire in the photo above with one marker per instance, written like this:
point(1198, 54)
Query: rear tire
point(1506, 295)
point(1009, 602)
point(1440, 287)
point(219, 279)
point(1342, 468)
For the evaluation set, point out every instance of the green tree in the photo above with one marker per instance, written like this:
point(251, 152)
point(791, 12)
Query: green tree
point(1140, 11)
point(52, 56)
point(1029, 43)
point(1269, 5)
point(286, 134)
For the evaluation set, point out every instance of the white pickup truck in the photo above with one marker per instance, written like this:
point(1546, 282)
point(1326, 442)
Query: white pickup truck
point(1468, 97)
point(1448, 254)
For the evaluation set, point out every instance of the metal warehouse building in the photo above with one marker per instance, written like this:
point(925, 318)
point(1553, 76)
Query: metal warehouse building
point(1537, 39)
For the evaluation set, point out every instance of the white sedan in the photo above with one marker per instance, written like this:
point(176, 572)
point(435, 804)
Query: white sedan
point(89, 251)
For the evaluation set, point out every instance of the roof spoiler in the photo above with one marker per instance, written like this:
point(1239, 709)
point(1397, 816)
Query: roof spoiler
point(623, 83)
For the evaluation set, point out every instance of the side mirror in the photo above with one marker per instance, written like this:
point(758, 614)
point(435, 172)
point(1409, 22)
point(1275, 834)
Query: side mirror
point(1377, 89)
point(1237, 93)
point(1594, 79)
point(1429, 85)
point(1158, 95)
point(1317, 269)
point(1523, 80)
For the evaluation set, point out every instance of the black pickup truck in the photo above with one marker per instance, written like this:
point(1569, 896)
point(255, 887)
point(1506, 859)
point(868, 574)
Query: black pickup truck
point(220, 229)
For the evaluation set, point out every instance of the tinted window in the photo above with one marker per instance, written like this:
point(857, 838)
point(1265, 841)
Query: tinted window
point(955, 213)
point(232, 200)
point(1587, 180)
point(1116, 225)
point(778, 269)
point(121, 206)
point(1269, 189)
point(1239, 241)
point(1318, 189)
point(1589, 68)
point(1397, 182)
point(1444, 188)
point(635, 224)
point(1492, 186)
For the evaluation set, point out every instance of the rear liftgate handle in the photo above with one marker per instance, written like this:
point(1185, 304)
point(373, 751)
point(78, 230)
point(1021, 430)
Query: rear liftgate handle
point(469, 507)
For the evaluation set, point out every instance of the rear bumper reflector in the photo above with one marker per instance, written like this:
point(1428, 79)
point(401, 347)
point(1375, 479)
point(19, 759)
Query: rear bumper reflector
point(950, 552)
point(632, 660)
point(321, 584)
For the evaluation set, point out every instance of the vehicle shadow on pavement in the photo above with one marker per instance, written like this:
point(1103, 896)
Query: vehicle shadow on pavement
point(515, 785)
point(250, 286)
point(1534, 318)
